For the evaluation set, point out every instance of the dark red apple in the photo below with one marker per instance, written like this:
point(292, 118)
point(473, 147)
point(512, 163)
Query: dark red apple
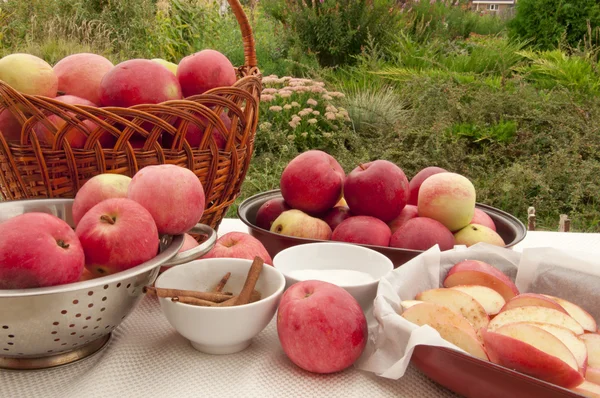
point(363, 229)
point(409, 212)
point(421, 233)
point(335, 216)
point(269, 211)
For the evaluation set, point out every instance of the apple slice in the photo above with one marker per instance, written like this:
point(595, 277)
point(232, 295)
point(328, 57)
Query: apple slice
point(592, 374)
point(579, 314)
point(527, 299)
point(459, 302)
point(570, 339)
point(474, 272)
point(535, 313)
point(430, 313)
point(533, 351)
point(490, 299)
point(588, 389)
point(592, 342)
point(462, 338)
point(409, 303)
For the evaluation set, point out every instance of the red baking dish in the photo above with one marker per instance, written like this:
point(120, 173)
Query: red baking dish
point(510, 228)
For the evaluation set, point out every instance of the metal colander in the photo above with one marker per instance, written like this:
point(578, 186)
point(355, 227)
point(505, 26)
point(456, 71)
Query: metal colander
point(45, 327)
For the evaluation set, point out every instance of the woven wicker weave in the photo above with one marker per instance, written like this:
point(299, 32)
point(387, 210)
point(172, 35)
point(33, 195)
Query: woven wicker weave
point(30, 170)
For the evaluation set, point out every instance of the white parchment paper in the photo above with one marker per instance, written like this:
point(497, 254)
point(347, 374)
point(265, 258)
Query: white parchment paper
point(571, 275)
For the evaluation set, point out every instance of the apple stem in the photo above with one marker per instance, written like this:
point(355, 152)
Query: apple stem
point(362, 166)
point(107, 219)
point(62, 244)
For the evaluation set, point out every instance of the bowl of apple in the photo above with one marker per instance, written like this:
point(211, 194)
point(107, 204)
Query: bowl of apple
point(376, 206)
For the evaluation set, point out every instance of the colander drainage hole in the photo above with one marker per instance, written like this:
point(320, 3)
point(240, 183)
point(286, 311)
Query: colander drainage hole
point(55, 323)
point(6, 349)
point(64, 344)
point(128, 286)
point(90, 305)
point(10, 343)
point(11, 336)
point(90, 293)
point(98, 320)
point(4, 327)
point(63, 312)
point(75, 301)
point(105, 287)
point(72, 325)
point(54, 332)
point(56, 339)
point(119, 284)
point(104, 298)
point(87, 318)
point(78, 315)
point(102, 309)
point(73, 333)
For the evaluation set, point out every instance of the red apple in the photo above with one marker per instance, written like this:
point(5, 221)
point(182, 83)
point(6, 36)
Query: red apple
point(335, 216)
point(321, 327)
point(239, 245)
point(203, 71)
point(138, 81)
point(421, 233)
point(481, 217)
point(417, 180)
point(96, 189)
point(378, 189)
point(409, 212)
point(80, 75)
point(474, 272)
point(312, 182)
point(364, 230)
point(194, 134)
point(117, 234)
point(269, 211)
point(188, 243)
point(10, 127)
point(38, 250)
point(172, 194)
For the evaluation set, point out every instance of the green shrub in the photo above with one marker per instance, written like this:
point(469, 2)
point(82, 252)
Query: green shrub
point(548, 23)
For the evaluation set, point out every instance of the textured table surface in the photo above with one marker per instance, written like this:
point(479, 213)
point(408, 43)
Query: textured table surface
point(146, 358)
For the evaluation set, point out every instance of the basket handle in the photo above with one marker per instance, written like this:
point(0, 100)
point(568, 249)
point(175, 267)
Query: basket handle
point(247, 37)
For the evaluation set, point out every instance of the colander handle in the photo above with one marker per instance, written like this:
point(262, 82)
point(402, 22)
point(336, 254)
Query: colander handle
point(196, 252)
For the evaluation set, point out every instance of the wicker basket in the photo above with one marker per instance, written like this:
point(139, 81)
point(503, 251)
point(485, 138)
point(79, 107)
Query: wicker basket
point(31, 170)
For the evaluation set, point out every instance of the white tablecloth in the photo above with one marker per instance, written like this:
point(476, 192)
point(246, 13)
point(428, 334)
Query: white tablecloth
point(147, 358)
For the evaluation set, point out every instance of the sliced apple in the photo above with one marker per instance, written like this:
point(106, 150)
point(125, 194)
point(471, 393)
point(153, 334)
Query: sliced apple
point(430, 313)
point(474, 272)
point(409, 303)
point(592, 342)
point(459, 302)
point(570, 339)
point(527, 299)
point(579, 314)
point(462, 338)
point(533, 351)
point(490, 299)
point(535, 313)
point(588, 389)
point(592, 374)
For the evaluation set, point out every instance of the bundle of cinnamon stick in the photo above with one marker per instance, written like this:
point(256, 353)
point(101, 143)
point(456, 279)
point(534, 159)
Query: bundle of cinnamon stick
point(216, 297)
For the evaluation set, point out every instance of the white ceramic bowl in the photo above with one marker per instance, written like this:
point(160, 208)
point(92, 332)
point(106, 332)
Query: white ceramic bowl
point(220, 330)
point(335, 256)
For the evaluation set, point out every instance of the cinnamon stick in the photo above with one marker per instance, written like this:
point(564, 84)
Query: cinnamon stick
point(192, 300)
point(208, 296)
point(222, 283)
point(250, 283)
point(228, 303)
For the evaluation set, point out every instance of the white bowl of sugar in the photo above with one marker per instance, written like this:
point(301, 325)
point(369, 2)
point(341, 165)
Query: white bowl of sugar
point(355, 268)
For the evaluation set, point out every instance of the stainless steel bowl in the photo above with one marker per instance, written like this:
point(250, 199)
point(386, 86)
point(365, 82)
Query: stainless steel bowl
point(51, 326)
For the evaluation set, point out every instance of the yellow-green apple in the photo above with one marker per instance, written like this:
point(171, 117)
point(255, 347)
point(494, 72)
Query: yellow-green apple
point(377, 189)
point(169, 65)
point(579, 314)
point(407, 213)
point(570, 339)
point(203, 71)
point(321, 327)
point(10, 127)
point(448, 198)
point(592, 343)
point(74, 136)
point(415, 183)
point(421, 233)
point(80, 75)
point(490, 299)
point(312, 182)
point(482, 218)
point(117, 234)
point(430, 313)
point(409, 303)
point(296, 223)
point(528, 299)
point(29, 74)
point(239, 245)
point(128, 84)
point(475, 233)
point(172, 194)
point(533, 351)
point(269, 211)
point(38, 250)
point(363, 230)
point(588, 389)
point(474, 272)
point(535, 313)
point(96, 189)
point(459, 302)
point(335, 216)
